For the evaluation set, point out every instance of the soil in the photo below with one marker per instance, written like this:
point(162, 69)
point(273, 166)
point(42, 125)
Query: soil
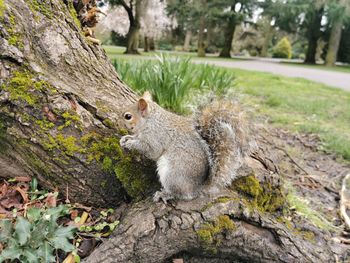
point(315, 174)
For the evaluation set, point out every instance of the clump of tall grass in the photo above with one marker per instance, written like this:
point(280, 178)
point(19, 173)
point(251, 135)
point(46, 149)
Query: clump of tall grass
point(174, 81)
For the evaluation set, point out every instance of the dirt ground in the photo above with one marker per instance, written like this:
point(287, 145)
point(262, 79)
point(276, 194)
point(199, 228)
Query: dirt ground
point(315, 176)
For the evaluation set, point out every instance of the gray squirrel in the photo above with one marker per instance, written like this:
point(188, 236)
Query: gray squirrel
point(191, 153)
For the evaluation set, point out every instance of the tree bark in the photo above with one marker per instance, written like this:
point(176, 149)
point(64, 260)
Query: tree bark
point(152, 45)
point(60, 106)
point(146, 47)
point(229, 32)
point(201, 43)
point(334, 39)
point(187, 41)
point(313, 35)
point(134, 14)
point(268, 37)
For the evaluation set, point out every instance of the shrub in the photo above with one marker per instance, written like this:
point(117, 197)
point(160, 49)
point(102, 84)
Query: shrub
point(283, 49)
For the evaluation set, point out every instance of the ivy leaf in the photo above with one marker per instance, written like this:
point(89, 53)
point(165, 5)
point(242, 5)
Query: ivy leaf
point(22, 230)
point(5, 230)
point(60, 238)
point(62, 243)
point(66, 232)
point(39, 233)
point(11, 253)
point(30, 255)
point(33, 214)
point(45, 252)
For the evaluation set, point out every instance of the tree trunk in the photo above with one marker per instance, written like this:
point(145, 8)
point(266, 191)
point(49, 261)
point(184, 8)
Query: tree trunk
point(146, 47)
point(267, 40)
point(187, 42)
point(334, 39)
point(229, 32)
point(134, 29)
point(60, 106)
point(201, 44)
point(314, 34)
point(152, 45)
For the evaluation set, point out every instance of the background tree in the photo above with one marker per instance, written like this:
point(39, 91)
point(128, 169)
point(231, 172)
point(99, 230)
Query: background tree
point(134, 10)
point(299, 17)
point(232, 14)
point(338, 11)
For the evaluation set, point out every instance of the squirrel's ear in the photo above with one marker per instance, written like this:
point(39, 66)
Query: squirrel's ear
point(147, 96)
point(143, 107)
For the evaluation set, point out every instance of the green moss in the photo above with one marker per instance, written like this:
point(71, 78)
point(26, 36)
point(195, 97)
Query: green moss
point(208, 231)
point(14, 38)
point(262, 196)
point(248, 185)
point(67, 144)
point(2, 8)
point(45, 124)
point(73, 13)
point(107, 152)
point(39, 6)
point(69, 118)
point(22, 86)
point(131, 176)
point(108, 123)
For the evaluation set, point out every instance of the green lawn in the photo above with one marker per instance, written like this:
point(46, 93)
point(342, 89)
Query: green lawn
point(295, 104)
point(301, 106)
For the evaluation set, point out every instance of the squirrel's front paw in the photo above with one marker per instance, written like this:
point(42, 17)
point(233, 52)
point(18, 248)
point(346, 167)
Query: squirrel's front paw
point(162, 196)
point(126, 141)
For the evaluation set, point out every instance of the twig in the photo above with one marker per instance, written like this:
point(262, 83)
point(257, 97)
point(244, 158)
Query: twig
point(67, 196)
point(344, 201)
point(291, 158)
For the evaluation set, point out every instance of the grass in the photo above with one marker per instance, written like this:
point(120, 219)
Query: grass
point(301, 106)
point(174, 82)
point(291, 103)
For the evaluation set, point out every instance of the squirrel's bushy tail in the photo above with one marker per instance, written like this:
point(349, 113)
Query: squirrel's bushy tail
point(222, 126)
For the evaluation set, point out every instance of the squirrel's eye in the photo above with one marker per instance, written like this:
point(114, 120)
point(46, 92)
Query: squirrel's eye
point(128, 116)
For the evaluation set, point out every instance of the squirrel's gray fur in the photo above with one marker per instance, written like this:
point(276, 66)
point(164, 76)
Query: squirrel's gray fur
point(189, 153)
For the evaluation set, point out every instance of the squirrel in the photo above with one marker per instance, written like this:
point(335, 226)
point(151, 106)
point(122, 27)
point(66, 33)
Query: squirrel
point(190, 152)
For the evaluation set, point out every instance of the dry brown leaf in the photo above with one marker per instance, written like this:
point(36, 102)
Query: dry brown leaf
point(23, 193)
point(23, 179)
point(51, 200)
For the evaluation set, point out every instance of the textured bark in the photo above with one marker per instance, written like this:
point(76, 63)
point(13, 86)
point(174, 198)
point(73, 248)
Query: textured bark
point(56, 88)
point(187, 42)
point(229, 32)
point(314, 33)
point(201, 44)
point(334, 39)
point(134, 15)
point(146, 44)
point(151, 232)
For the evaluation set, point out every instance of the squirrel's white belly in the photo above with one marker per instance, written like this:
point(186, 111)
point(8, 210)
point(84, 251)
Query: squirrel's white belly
point(163, 169)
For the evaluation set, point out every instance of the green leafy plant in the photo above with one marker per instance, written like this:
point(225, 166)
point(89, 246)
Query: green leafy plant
point(283, 49)
point(173, 81)
point(35, 237)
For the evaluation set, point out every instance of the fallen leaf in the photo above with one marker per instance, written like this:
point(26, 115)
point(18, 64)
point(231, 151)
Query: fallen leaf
point(23, 179)
point(51, 200)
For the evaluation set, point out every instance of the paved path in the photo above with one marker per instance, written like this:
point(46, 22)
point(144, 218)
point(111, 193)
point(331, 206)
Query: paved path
point(330, 78)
